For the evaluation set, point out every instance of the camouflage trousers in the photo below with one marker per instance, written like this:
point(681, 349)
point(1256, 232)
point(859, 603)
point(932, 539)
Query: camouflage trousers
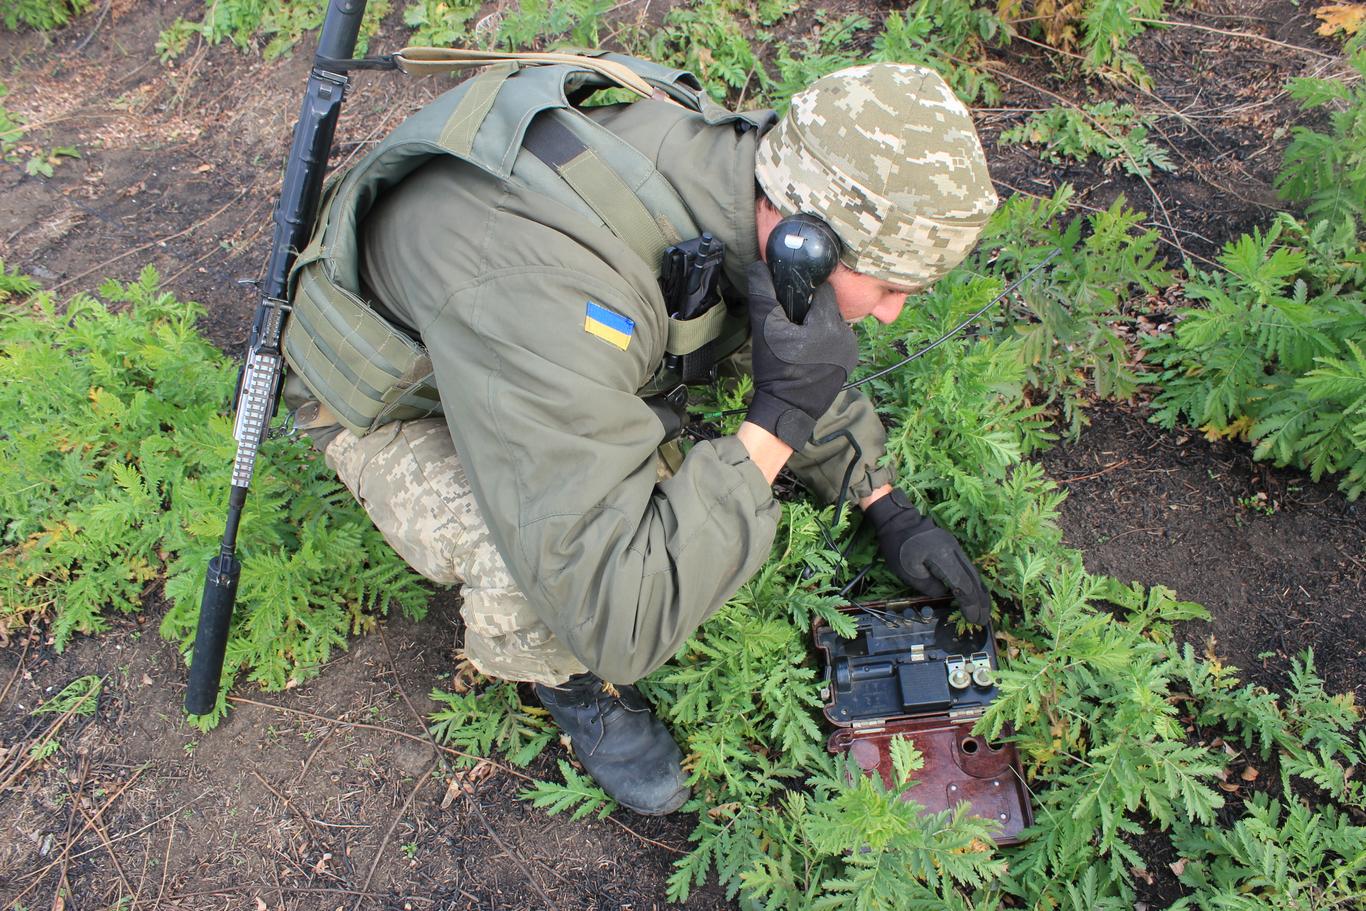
point(409, 479)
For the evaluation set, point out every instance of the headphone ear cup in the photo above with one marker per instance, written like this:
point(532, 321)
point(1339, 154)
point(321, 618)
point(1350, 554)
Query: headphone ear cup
point(801, 253)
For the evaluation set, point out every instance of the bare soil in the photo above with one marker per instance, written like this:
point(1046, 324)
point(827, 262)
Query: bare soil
point(319, 797)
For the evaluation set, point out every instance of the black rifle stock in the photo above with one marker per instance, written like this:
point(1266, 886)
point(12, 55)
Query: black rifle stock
point(258, 391)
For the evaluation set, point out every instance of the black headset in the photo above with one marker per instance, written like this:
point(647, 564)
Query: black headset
point(801, 252)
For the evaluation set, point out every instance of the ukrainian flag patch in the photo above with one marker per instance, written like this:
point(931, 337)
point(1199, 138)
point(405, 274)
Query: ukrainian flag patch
point(608, 326)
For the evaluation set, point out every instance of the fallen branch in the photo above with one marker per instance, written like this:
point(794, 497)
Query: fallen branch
point(51, 732)
point(66, 854)
point(1232, 34)
point(479, 811)
point(403, 811)
point(153, 243)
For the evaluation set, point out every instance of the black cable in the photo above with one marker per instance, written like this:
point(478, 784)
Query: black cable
point(956, 329)
point(928, 348)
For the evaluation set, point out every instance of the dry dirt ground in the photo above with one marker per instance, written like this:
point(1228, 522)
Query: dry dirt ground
point(320, 797)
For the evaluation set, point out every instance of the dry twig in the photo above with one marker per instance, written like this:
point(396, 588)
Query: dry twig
point(478, 810)
point(28, 641)
point(403, 811)
point(152, 243)
point(51, 732)
point(308, 824)
point(1248, 35)
point(66, 855)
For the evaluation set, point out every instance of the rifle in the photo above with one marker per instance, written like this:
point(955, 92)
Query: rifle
point(259, 383)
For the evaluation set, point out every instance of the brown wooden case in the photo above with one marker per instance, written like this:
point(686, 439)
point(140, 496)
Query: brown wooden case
point(959, 766)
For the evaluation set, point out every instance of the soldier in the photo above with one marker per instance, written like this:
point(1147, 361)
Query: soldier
point(583, 559)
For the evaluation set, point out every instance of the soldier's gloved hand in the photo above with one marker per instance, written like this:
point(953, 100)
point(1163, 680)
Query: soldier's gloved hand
point(798, 369)
point(926, 557)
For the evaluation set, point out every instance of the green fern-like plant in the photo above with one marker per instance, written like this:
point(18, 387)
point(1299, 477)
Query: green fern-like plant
point(1066, 315)
point(1281, 855)
point(114, 456)
point(478, 720)
point(1115, 133)
point(1273, 355)
point(41, 14)
point(949, 36)
point(579, 795)
point(713, 41)
point(1327, 171)
point(272, 25)
point(439, 23)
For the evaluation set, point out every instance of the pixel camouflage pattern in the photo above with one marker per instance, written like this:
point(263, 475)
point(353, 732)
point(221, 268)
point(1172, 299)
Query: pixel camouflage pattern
point(888, 156)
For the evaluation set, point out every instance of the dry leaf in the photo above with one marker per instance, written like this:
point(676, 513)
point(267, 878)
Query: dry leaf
point(1228, 786)
point(1346, 17)
point(204, 168)
point(1249, 774)
point(452, 791)
point(1179, 867)
point(723, 810)
point(260, 905)
point(1143, 874)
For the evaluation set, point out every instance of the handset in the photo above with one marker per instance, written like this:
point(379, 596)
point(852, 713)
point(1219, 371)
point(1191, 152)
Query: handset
point(802, 251)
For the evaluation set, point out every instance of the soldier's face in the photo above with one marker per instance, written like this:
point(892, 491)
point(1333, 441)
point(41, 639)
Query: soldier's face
point(860, 296)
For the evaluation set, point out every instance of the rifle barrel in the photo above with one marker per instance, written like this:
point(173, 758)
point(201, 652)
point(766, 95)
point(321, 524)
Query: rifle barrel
point(258, 393)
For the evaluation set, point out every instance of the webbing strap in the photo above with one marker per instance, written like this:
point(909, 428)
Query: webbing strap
point(687, 336)
point(458, 133)
point(600, 186)
point(427, 60)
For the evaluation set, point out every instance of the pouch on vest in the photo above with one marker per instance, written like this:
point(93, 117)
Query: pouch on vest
point(367, 370)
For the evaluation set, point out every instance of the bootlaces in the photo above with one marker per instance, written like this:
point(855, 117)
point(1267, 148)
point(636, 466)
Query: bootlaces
point(602, 705)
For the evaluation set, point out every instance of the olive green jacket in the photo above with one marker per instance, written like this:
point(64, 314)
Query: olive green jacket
point(559, 449)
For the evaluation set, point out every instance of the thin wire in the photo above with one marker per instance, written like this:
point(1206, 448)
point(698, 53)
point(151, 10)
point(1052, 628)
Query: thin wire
point(956, 329)
point(928, 348)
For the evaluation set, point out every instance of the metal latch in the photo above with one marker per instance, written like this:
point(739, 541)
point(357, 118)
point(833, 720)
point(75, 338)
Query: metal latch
point(959, 674)
point(981, 670)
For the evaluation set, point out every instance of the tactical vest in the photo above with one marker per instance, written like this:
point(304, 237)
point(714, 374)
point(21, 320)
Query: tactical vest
point(369, 372)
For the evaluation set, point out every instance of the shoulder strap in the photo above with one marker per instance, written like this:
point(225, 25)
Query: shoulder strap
point(424, 61)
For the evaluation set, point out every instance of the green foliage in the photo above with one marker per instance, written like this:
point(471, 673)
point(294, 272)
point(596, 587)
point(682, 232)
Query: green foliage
point(1274, 354)
point(114, 459)
point(1327, 171)
point(12, 283)
point(80, 697)
point(40, 162)
point(1311, 734)
point(439, 23)
point(578, 793)
point(11, 128)
point(1107, 28)
point(1064, 318)
point(1100, 29)
point(1277, 857)
point(478, 720)
point(534, 23)
point(712, 40)
point(950, 37)
point(247, 23)
point(1114, 132)
point(41, 14)
point(827, 49)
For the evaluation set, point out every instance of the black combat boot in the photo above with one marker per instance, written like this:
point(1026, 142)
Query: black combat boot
point(620, 742)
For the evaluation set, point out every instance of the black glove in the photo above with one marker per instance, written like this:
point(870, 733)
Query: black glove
point(926, 557)
point(798, 369)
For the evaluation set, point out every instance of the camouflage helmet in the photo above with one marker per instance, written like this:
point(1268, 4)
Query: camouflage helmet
point(888, 156)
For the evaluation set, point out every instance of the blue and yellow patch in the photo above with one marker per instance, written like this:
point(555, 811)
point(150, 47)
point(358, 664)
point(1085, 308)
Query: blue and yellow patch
point(608, 326)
